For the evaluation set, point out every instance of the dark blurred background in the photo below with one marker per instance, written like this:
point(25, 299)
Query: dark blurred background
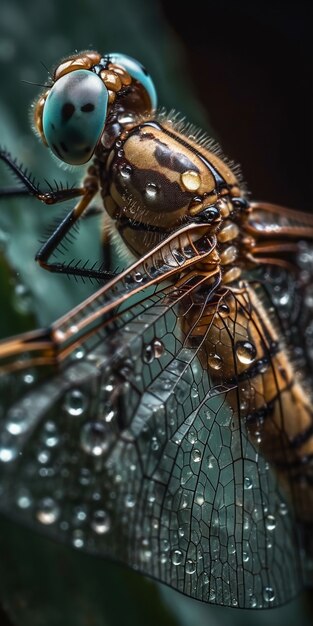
point(251, 68)
point(242, 71)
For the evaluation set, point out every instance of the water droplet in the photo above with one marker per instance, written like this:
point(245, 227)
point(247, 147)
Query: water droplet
point(215, 361)
point(78, 539)
point(7, 454)
point(190, 566)
point(158, 348)
point(211, 462)
point(22, 299)
point(167, 386)
point(165, 545)
point(75, 402)
point(231, 547)
point(138, 277)
point(224, 309)
point(185, 502)
point(212, 595)
point(52, 441)
point(177, 557)
point(46, 472)
point(245, 557)
point(270, 522)
point(17, 424)
point(100, 522)
point(125, 172)
point(24, 501)
point(28, 379)
point(85, 477)
point(50, 427)
point(252, 602)
point(283, 509)
point(109, 417)
point(146, 555)
point(153, 350)
point(130, 501)
point(247, 483)
point(207, 415)
point(151, 191)
point(284, 298)
point(78, 354)
point(125, 118)
point(194, 392)
point(148, 355)
point(192, 437)
point(268, 594)
point(186, 474)
point(245, 352)
point(48, 511)
point(79, 515)
point(191, 180)
point(154, 444)
point(196, 456)
point(43, 456)
point(94, 438)
point(199, 500)
point(177, 439)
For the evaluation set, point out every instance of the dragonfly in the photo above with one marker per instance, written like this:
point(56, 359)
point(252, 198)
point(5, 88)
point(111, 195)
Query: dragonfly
point(166, 422)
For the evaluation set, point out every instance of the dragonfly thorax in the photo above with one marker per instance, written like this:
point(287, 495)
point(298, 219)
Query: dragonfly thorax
point(156, 178)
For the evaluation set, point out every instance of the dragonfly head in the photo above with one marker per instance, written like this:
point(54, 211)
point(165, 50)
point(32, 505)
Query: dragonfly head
point(71, 115)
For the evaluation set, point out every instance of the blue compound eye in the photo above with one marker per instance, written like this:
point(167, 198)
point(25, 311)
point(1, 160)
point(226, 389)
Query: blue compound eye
point(137, 71)
point(74, 116)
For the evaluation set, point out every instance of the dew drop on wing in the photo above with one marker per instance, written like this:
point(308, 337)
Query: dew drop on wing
point(94, 438)
point(75, 402)
point(245, 352)
point(48, 511)
point(100, 522)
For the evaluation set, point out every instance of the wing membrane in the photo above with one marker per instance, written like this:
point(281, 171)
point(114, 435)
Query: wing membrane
point(130, 449)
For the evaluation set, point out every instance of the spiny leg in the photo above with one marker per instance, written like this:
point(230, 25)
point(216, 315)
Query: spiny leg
point(49, 247)
point(88, 190)
point(51, 196)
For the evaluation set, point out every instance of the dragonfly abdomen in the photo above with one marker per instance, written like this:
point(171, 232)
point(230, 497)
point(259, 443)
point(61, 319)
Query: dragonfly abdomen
point(243, 353)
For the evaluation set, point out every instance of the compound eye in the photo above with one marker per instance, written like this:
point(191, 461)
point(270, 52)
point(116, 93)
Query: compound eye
point(74, 116)
point(138, 72)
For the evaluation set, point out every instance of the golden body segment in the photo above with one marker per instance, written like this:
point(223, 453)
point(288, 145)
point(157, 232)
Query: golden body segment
point(159, 179)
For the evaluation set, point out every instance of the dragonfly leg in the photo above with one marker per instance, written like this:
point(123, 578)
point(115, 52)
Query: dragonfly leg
point(87, 192)
point(50, 246)
point(30, 188)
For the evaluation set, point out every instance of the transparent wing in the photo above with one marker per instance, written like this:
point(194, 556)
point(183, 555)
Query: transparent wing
point(135, 446)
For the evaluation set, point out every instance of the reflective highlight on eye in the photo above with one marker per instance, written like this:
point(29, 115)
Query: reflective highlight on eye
point(74, 115)
point(137, 71)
